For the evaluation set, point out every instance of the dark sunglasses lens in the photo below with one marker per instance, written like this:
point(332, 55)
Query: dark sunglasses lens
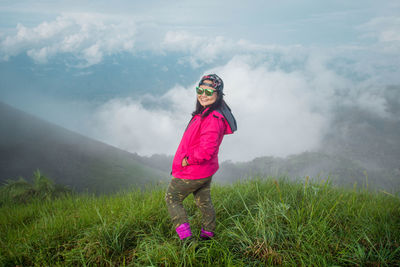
point(199, 90)
point(209, 92)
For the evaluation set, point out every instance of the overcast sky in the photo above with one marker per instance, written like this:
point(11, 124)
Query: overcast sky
point(124, 72)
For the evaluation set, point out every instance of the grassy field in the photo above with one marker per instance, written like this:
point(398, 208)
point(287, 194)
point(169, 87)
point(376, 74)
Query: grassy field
point(262, 221)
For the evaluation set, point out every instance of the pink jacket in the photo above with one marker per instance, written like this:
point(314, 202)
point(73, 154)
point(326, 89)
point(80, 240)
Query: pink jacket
point(200, 144)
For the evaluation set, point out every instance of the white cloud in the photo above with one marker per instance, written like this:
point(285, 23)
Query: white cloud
point(202, 49)
point(375, 102)
point(275, 111)
point(86, 36)
point(385, 30)
point(127, 124)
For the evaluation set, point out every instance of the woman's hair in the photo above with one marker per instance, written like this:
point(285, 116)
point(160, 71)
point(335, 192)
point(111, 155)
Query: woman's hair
point(218, 103)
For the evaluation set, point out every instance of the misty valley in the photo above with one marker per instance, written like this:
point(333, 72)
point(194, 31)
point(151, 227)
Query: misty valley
point(365, 157)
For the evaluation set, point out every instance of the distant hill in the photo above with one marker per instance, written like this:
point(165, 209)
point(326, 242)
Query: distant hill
point(28, 143)
point(340, 170)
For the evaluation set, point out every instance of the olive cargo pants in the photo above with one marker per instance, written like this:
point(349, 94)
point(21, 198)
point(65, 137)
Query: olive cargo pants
point(179, 189)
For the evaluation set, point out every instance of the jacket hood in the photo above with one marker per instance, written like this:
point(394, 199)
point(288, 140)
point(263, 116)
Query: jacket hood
point(226, 112)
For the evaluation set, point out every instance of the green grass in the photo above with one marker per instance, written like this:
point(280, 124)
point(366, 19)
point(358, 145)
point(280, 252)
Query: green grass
point(259, 222)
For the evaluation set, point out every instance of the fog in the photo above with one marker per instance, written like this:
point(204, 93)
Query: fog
point(279, 112)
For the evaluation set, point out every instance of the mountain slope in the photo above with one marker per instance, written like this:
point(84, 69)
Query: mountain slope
point(28, 143)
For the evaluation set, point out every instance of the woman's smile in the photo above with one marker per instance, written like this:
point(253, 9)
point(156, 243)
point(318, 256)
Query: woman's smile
point(206, 101)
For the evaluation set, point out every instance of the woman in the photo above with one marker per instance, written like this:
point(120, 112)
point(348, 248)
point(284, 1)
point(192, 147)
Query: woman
point(196, 159)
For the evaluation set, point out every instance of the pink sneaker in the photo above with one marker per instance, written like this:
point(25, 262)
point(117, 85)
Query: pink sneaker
point(183, 231)
point(206, 235)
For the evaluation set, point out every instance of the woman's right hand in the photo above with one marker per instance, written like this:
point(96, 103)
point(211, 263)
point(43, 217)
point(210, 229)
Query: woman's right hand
point(184, 162)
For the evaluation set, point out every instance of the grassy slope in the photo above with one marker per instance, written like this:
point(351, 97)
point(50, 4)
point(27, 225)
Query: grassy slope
point(259, 221)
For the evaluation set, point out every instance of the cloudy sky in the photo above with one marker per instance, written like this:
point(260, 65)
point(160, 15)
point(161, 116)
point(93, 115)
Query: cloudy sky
point(124, 72)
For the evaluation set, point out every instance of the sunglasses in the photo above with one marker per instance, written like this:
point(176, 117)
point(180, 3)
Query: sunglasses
point(208, 92)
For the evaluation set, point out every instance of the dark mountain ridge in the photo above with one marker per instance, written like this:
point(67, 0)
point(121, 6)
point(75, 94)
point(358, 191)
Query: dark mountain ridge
point(28, 143)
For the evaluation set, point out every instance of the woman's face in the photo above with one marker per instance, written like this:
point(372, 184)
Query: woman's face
point(203, 98)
